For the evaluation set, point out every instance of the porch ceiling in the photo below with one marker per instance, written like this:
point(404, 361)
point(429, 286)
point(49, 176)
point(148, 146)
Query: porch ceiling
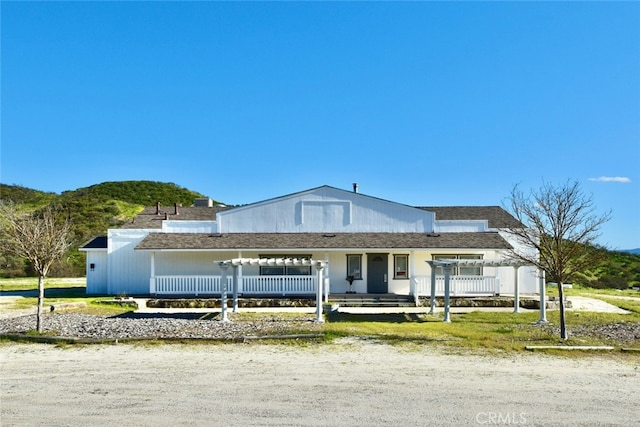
point(281, 241)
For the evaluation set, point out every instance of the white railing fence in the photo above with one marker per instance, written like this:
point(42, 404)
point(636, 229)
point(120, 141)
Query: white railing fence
point(283, 285)
point(459, 285)
point(247, 285)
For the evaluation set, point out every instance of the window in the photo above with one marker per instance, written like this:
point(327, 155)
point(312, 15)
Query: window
point(463, 270)
point(400, 266)
point(285, 270)
point(354, 266)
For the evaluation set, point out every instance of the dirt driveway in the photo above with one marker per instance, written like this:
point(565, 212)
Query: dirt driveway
point(350, 383)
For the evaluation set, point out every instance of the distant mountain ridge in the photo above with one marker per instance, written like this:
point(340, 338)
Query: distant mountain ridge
point(635, 251)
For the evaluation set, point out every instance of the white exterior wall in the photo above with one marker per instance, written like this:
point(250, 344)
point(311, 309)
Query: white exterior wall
point(189, 262)
point(527, 280)
point(461, 226)
point(128, 269)
point(189, 226)
point(325, 210)
point(528, 275)
point(96, 278)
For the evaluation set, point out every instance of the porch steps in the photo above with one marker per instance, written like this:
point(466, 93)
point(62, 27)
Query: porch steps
point(372, 300)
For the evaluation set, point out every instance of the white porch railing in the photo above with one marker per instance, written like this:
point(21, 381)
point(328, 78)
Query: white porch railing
point(187, 285)
point(247, 285)
point(283, 285)
point(459, 285)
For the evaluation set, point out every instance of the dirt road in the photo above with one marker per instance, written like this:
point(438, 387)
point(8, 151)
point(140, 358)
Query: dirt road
point(351, 383)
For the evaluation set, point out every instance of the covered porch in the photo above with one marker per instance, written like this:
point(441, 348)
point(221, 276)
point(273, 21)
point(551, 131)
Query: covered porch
point(287, 286)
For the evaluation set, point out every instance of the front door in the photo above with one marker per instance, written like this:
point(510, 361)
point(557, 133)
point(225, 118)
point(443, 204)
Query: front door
point(377, 274)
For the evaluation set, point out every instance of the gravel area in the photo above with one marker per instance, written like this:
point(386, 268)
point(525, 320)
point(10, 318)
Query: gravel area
point(149, 325)
point(620, 332)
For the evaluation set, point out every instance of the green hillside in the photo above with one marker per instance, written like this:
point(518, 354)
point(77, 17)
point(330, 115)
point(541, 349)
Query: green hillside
point(26, 196)
point(143, 193)
point(618, 270)
point(92, 211)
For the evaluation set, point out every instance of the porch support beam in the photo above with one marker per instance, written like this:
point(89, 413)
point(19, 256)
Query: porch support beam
point(223, 291)
point(319, 279)
point(516, 290)
point(432, 300)
point(326, 279)
point(543, 297)
point(235, 288)
point(447, 298)
point(412, 282)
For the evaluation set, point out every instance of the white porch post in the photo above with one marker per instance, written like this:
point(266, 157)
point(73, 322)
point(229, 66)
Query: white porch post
point(319, 318)
point(327, 283)
point(516, 290)
point(543, 297)
point(223, 291)
point(235, 288)
point(447, 282)
point(152, 280)
point(240, 282)
point(433, 289)
point(412, 281)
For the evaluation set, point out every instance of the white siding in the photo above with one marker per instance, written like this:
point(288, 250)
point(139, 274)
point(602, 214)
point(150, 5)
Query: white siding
point(325, 210)
point(461, 226)
point(129, 270)
point(188, 263)
point(96, 278)
point(189, 226)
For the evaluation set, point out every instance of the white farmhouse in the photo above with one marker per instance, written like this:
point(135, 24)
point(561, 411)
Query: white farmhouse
point(368, 245)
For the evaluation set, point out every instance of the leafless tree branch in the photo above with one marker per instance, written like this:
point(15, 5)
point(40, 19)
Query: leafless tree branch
point(41, 237)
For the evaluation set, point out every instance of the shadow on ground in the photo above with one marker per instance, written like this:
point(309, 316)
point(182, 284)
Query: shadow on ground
point(187, 316)
point(69, 292)
point(382, 317)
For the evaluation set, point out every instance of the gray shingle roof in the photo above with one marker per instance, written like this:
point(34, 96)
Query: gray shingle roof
point(497, 216)
point(149, 219)
point(232, 241)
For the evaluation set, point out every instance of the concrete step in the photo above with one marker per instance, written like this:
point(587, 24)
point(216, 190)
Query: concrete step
point(372, 300)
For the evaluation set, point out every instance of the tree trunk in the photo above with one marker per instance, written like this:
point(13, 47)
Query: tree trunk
point(563, 326)
point(40, 303)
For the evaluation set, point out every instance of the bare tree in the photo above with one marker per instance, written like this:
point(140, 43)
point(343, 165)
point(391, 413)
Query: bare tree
point(561, 227)
point(41, 237)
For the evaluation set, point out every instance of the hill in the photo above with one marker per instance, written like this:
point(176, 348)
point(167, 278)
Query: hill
point(142, 193)
point(26, 196)
point(616, 269)
point(92, 211)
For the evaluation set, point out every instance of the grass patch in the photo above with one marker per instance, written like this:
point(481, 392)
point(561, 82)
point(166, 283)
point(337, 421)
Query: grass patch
point(57, 291)
point(483, 332)
point(26, 284)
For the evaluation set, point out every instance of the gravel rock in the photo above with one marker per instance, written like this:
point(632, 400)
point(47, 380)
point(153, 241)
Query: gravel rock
point(622, 332)
point(76, 325)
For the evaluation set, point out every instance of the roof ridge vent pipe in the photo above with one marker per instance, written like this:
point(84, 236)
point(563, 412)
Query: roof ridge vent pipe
point(355, 187)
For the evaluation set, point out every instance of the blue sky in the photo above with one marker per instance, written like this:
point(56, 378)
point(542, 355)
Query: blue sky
point(424, 103)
